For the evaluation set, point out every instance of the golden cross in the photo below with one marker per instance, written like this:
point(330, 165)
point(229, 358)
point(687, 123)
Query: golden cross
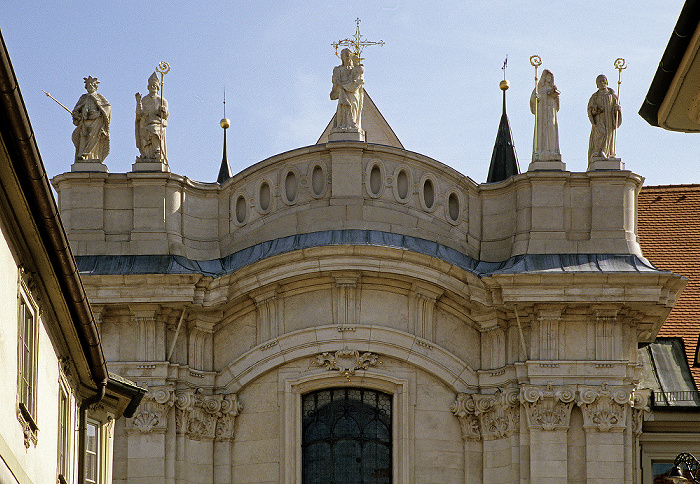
point(356, 43)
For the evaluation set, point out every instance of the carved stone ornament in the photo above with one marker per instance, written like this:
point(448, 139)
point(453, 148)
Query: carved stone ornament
point(499, 413)
point(152, 414)
point(29, 428)
point(488, 416)
point(604, 407)
point(206, 416)
point(548, 407)
point(640, 404)
point(197, 415)
point(347, 362)
point(464, 408)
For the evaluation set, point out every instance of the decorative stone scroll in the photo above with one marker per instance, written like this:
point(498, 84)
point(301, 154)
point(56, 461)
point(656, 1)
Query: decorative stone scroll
point(198, 416)
point(604, 407)
point(347, 362)
point(464, 408)
point(206, 416)
point(152, 414)
point(641, 400)
point(493, 416)
point(548, 407)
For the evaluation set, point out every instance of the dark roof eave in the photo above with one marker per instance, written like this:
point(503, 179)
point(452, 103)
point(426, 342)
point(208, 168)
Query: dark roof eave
point(125, 387)
point(16, 130)
point(670, 61)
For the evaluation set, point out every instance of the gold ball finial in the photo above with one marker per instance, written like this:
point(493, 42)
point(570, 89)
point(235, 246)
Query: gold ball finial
point(504, 85)
point(225, 123)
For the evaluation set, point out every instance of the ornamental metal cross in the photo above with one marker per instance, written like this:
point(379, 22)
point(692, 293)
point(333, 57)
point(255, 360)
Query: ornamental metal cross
point(356, 43)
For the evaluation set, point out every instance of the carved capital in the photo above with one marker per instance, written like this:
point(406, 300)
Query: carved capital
point(548, 407)
point(463, 408)
point(498, 413)
point(152, 414)
point(346, 361)
point(604, 407)
point(197, 415)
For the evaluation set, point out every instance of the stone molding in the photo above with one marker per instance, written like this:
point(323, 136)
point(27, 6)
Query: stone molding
point(548, 407)
point(197, 415)
point(604, 407)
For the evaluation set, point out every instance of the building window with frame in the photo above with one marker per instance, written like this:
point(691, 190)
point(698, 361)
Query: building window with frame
point(346, 436)
point(64, 435)
point(28, 322)
point(92, 452)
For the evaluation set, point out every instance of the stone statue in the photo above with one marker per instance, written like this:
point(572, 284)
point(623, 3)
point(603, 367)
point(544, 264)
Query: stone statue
point(348, 80)
point(91, 116)
point(151, 120)
point(546, 143)
point(605, 116)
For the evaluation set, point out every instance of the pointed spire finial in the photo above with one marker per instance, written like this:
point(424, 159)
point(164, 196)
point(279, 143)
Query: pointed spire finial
point(225, 169)
point(504, 161)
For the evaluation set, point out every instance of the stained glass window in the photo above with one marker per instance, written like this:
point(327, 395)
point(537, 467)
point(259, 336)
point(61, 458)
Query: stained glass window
point(346, 437)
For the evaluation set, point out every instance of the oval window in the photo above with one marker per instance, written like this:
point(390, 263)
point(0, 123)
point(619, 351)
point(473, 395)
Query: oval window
point(428, 194)
point(290, 186)
point(241, 209)
point(317, 180)
point(375, 180)
point(264, 196)
point(402, 184)
point(453, 206)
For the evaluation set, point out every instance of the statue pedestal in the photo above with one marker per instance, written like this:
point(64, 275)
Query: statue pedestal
point(346, 136)
point(547, 166)
point(90, 166)
point(150, 165)
point(598, 164)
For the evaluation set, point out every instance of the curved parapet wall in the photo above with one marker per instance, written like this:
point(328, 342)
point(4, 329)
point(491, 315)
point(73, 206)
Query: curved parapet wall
point(350, 185)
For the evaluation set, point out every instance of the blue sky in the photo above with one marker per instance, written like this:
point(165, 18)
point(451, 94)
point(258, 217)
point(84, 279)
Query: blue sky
point(435, 81)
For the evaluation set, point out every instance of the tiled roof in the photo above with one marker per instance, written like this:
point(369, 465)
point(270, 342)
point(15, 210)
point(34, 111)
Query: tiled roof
point(669, 233)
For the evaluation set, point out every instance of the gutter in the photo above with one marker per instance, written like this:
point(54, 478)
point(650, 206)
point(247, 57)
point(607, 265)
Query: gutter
point(26, 161)
point(670, 61)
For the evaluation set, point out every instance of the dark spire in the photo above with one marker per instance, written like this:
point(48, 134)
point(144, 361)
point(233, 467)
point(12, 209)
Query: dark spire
point(225, 170)
point(504, 161)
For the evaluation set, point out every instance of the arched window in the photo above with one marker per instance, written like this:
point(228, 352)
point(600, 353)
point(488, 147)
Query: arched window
point(346, 437)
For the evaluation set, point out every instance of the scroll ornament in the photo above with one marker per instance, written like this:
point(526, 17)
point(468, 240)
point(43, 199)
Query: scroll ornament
point(548, 407)
point(604, 407)
point(488, 416)
point(197, 415)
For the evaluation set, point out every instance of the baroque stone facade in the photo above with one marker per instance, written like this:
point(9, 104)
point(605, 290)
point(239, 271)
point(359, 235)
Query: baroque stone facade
point(502, 319)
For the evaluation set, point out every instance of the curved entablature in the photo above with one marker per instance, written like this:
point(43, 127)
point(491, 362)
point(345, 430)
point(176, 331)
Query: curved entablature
point(350, 185)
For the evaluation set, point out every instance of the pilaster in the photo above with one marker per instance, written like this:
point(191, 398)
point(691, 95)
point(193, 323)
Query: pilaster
point(346, 299)
point(422, 312)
